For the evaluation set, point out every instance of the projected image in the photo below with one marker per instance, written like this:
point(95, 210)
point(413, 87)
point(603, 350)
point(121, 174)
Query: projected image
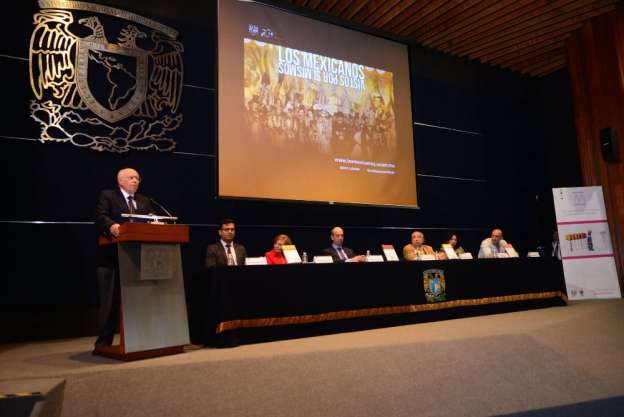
point(310, 111)
point(295, 98)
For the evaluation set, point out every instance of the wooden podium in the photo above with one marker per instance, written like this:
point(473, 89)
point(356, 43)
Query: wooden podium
point(152, 320)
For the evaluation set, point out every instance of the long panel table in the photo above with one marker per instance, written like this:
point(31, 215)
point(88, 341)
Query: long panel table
point(233, 305)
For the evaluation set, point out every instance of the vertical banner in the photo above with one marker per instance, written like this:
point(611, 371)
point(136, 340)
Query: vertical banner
point(585, 241)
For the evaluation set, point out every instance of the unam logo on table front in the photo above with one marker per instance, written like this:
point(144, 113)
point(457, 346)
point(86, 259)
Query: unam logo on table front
point(435, 285)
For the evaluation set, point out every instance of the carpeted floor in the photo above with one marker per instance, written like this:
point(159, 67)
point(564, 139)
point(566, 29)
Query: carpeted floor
point(548, 362)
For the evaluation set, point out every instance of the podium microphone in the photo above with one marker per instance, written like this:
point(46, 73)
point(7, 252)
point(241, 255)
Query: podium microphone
point(161, 207)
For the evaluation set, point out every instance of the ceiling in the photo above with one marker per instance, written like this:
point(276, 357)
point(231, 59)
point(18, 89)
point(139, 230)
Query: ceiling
point(527, 36)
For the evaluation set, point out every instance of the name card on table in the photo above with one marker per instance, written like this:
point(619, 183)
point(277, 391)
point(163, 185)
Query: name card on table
point(502, 255)
point(291, 254)
point(533, 255)
point(325, 259)
point(390, 253)
point(256, 260)
point(449, 251)
point(428, 257)
point(375, 258)
point(465, 255)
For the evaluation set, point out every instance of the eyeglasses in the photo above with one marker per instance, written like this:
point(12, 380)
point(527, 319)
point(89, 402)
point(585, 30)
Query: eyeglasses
point(228, 229)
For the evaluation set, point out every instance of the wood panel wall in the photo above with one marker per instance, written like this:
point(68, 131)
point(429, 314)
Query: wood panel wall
point(596, 64)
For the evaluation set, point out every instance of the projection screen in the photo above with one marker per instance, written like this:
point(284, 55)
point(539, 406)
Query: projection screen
point(311, 111)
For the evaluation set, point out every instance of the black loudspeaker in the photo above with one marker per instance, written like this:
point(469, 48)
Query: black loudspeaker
point(609, 144)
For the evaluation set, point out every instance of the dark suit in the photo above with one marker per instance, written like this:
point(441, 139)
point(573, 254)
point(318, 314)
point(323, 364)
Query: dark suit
point(334, 253)
point(215, 255)
point(111, 204)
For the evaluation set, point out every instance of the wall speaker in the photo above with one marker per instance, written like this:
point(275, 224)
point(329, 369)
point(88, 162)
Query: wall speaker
point(609, 144)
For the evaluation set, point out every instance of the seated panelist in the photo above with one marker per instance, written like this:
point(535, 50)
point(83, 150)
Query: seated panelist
point(414, 250)
point(453, 240)
point(338, 252)
point(225, 252)
point(493, 245)
point(276, 256)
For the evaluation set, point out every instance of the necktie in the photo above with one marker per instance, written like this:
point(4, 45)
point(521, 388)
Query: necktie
point(230, 258)
point(341, 253)
point(131, 206)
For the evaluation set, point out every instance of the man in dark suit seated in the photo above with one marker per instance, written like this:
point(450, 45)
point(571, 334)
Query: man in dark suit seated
point(111, 205)
point(338, 252)
point(226, 252)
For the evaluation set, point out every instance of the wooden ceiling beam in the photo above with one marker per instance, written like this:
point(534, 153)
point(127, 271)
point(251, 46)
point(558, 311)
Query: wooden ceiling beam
point(385, 8)
point(514, 53)
point(341, 6)
point(447, 21)
point(539, 60)
point(545, 63)
point(382, 18)
point(416, 21)
point(369, 8)
point(470, 20)
point(575, 16)
point(416, 11)
point(328, 5)
point(549, 69)
point(399, 14)
point(353, 9)
point(514, 22)
point(537, 37)
point(313, 4)
point(520, 56)
point(478, 24)
point(531, 41)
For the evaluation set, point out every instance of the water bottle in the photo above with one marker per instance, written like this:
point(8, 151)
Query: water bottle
point(367, 255)
point(304, 258)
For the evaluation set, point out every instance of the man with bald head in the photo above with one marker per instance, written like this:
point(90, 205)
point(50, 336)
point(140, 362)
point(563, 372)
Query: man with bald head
point(416, 248)
point(493, 245)
point(111, 205)
point(338, 252)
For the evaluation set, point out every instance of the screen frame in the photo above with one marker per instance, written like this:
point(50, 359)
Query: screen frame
point(345, 24)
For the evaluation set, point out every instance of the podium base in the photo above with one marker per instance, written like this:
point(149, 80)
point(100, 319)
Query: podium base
point(117, 352)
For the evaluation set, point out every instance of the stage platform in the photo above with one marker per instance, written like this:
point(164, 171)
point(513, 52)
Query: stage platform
point(551, 361)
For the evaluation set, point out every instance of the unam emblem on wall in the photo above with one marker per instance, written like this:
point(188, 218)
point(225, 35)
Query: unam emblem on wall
point(103, 95)
point(435, 285)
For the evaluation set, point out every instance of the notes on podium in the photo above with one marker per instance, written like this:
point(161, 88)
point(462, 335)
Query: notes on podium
point(291, 254)
point(389, 253)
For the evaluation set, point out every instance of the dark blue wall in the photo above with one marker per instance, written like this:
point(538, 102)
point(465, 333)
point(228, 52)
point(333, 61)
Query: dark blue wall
point(489, 146)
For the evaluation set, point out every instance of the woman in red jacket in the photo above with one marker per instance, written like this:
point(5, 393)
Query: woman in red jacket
point(276, 256)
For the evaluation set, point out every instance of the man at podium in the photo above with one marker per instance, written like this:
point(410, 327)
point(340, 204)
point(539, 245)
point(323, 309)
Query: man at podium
point(111, 205)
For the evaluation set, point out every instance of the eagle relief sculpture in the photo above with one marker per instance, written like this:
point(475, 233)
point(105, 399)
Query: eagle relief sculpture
point(100, 94)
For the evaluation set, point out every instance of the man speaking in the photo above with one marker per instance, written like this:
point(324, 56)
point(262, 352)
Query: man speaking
point(111, 205)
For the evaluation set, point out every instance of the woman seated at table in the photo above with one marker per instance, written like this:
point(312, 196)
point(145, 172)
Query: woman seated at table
point(276, 256)
point(452, 240)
